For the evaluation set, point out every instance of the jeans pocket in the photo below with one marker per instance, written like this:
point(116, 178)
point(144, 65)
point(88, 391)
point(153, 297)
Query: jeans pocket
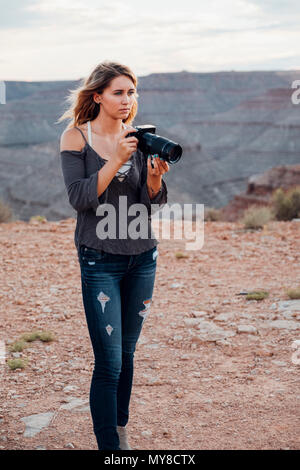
point(90, 256)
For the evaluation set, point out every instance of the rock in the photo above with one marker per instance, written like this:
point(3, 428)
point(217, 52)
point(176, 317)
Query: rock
point(146, 433)
point(73, 402)
point(224, 317)
point(293, 305)
point(208, 331)
point(35, 423)
point(264, 353)
point(260, 189)
point(246, 329)
point(141, 402)
point(279, 363)
point(177, 337)
point(152, 346)
point(196, 374)
point(223, 342)
point(191, 321)
point(281, 324)
point(47, 309)
point(199, 313)
point(83, 408)
point(70, 388)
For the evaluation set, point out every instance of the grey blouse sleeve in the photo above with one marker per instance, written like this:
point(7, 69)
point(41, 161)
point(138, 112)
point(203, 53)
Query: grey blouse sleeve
point(161, 198)
point(82, 192)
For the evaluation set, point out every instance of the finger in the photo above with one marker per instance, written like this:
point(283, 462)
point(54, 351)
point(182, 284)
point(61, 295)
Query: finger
point(129, 139)
point(150, 164)
point(156, 165)
point(160, 166)
point(130, 145)
point(150, 169)
point(164, 164)
point(128, 131)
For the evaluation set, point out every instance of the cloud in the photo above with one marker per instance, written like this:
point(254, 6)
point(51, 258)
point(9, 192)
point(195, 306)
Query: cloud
point(15, 14)
point(65, 39)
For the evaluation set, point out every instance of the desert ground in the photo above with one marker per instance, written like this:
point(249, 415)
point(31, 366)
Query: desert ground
point(213, 370)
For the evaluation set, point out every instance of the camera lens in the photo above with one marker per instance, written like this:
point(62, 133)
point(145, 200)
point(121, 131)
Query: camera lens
point(171, 152)
point(165, 148)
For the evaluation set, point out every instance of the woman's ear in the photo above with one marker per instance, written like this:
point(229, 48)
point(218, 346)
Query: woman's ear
point(96, 98)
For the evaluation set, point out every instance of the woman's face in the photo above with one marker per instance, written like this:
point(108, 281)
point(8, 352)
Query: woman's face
point(118, 98)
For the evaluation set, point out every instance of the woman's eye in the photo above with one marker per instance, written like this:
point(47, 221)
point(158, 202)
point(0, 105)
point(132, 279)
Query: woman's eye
point(119, 93)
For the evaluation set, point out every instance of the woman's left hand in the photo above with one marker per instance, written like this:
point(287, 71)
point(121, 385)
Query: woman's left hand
point(160, 166)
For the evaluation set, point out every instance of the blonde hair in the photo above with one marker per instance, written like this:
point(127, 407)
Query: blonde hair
point(82, 106)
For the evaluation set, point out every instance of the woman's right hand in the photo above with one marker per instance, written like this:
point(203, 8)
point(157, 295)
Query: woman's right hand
point(125, 146)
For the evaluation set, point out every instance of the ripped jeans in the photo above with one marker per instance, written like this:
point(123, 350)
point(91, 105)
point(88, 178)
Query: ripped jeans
point(117, 295)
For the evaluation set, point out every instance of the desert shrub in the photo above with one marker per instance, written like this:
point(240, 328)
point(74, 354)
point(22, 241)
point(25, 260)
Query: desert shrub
point(294, 293)
point(30, 336)
point(256, 217)
point(17, 346)
point(44, 336)
point(257, 295)
point(5, 213)
point(286, 205)
point(38, 218)
point(212, 214)
point(179, 254)
point(17, 363)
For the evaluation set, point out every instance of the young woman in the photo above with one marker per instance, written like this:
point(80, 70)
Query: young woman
point(100, 166)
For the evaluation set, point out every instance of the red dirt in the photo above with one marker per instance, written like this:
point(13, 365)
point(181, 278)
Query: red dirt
point(240, 393)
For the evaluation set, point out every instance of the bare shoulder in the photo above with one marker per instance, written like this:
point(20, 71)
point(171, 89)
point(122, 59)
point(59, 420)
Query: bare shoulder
point(71, 139)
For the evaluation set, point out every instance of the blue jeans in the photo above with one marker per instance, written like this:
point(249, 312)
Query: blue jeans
point(117, 295)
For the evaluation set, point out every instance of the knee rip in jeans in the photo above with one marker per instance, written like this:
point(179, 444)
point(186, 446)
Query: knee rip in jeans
point(103, 298)
point(109, 329)
point(145, 312)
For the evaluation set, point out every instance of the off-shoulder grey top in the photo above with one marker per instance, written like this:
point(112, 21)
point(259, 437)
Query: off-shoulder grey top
point(80, 173)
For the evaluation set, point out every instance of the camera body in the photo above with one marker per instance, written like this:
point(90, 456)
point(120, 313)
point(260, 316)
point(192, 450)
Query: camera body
point(150, 144)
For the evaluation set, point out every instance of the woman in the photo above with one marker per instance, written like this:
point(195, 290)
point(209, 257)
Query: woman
point(100, 164)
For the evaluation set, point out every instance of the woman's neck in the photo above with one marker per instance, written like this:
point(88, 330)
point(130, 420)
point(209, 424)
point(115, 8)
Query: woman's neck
point(107, 127)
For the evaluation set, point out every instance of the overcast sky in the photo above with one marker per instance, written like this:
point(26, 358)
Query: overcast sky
point(66, 39)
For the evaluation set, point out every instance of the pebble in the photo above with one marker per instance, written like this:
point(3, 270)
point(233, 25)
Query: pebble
point(246, 329)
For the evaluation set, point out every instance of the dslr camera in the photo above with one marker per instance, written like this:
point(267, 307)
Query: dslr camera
point(150, 143)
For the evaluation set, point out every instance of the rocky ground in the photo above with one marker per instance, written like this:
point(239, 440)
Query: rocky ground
point(212, 370)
